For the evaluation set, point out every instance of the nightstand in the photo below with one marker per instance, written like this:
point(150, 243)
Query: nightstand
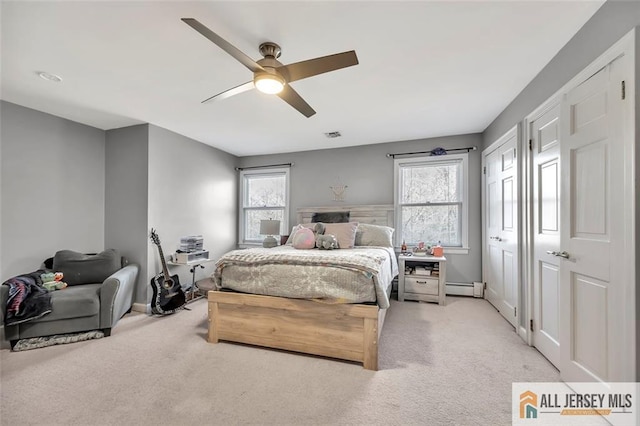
point(422, 278)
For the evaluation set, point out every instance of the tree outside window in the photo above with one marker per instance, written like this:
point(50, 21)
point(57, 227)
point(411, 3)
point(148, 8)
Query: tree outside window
point(264, 195)
point(430, 200)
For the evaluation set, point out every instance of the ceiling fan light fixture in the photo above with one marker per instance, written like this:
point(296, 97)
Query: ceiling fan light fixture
point(269, 83)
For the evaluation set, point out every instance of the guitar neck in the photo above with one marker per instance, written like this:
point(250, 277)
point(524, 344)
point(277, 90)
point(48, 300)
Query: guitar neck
point(165, 270)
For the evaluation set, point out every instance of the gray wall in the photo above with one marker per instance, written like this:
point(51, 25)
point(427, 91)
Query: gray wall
point(368, 173)
point(53, 188)
point(126, 183)
point(65, 185)
point(193, 189)
point(613, 20)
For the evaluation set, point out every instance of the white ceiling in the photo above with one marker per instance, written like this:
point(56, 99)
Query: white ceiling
point(426, 69)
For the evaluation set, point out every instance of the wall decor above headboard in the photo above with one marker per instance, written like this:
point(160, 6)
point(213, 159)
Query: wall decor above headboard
point(377, 214)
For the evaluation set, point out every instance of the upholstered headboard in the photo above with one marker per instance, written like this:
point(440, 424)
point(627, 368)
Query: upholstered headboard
point(377, 214)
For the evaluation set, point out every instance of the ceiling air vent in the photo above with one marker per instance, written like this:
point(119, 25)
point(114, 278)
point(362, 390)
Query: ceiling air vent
point(333, 135)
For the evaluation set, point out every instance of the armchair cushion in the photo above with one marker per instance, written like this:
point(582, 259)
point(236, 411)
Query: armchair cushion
point(79, 268)
point(74, 302)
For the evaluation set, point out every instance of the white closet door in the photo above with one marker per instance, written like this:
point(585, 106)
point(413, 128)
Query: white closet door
point(501, 226)
point(592, 196)
point(545, 149)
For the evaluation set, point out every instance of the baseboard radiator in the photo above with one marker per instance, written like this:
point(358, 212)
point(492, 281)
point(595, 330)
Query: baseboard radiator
point(459, 289)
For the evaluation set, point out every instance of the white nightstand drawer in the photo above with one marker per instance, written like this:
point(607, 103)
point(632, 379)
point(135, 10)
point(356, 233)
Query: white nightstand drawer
point(421, 285)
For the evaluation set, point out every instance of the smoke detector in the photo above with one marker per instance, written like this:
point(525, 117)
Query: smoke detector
point(49, 77)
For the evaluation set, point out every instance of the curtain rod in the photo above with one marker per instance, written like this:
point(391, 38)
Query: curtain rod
point(265, 167)
point(471, 148)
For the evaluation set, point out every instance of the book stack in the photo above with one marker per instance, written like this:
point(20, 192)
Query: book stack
point(191, 243)
point(429, 270)
point(423, 271)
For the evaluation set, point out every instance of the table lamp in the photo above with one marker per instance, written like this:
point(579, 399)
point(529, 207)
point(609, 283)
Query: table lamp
point(269, 228)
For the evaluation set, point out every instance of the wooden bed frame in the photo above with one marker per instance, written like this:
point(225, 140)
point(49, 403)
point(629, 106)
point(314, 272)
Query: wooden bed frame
point(344, 331)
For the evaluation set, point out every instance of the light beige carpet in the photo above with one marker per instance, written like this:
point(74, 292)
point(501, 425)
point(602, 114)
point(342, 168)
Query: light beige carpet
point(450, 365)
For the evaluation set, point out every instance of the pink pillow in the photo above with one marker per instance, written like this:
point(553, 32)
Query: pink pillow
point(304, 238)
point(344, 232)
point(295, 229)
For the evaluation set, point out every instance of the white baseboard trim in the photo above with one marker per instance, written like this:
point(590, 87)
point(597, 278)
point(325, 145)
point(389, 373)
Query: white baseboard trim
point(141, 307)
point(522, 332)
point(459, 289)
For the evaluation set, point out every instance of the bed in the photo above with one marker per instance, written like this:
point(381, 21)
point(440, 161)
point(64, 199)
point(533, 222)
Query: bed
point(343, 322)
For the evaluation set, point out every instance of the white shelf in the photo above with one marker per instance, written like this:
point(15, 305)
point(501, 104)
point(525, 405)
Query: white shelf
point(189, 263)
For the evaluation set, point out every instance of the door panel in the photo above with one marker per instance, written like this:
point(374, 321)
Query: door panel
point(501, 227)
point(549, 178)
point(494, 284)
point(549, 297)
point(510, 283)
point(545, 138)
point(589, 172)
point(589, 312)
point(508, 197)
point(592, 152)
point(493, 206)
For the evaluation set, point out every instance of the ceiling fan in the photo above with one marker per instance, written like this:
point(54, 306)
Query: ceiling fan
point(272, 77)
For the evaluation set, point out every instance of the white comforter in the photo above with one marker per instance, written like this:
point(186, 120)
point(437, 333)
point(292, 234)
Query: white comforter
point(357, 275)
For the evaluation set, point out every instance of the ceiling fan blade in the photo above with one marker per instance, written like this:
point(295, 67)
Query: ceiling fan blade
point(311, 67)
point(224, 45)
point(231, 92)
point(292, 97)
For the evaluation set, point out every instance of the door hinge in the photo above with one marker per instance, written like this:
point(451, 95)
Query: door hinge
point(515, 311)
point(531, 324)
point(485, 286)
point(624, 94)
point(530, 144)
point(484, 170)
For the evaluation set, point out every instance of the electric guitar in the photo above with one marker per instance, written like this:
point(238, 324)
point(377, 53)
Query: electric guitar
point(167, 292)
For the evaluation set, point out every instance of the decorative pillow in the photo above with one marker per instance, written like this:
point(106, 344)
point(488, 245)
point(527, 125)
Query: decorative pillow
point(304, 238)
point(331, 217)
point(374, 235)
point(344, 232)
point(80, 268)
point(296, 228)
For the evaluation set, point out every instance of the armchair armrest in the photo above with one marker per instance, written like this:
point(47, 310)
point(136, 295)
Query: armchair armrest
point(116, 295)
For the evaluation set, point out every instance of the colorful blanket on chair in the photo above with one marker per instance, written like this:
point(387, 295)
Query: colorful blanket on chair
point(28, 299)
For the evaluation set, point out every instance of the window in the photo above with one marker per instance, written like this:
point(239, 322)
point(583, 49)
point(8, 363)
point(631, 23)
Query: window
point(264, 194)
point(431, 201)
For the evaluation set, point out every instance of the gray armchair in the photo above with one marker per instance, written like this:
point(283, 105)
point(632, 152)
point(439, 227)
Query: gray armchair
point(78, 308)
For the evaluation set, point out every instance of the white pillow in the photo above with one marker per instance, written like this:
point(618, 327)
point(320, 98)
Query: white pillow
point(374, 235)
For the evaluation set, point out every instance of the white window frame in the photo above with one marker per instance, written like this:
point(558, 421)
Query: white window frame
point(242, 241)
point(398, 164)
